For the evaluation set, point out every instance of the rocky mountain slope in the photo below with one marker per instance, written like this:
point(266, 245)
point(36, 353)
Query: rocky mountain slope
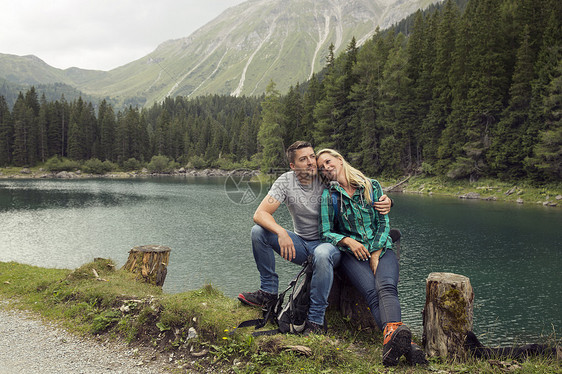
point(238, 53)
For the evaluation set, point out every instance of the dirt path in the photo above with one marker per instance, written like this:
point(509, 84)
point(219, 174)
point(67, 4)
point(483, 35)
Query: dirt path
point(29, 345)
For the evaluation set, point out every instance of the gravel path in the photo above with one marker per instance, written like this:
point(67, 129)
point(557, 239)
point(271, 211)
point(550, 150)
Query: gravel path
point(29, 345)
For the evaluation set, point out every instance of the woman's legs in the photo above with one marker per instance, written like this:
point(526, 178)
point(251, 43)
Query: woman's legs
point(380, 290)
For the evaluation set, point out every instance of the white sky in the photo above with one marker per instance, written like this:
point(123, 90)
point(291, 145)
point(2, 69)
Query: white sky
point(99, 34)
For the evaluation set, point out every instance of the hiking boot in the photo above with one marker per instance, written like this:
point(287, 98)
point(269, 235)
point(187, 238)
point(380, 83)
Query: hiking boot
point(258, 299)
point(416, 355)
point(313, 328)
point(397, 339)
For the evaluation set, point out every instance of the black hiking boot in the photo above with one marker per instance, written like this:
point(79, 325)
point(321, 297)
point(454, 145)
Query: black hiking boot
point(416, 355)
point(397, 339)
point(258, 299)
point(313, 328)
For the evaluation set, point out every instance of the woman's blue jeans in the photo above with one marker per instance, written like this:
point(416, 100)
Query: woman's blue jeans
point(381, 289)
point(326, 257)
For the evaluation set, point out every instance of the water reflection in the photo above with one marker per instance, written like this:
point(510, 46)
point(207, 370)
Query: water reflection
point(37, 196)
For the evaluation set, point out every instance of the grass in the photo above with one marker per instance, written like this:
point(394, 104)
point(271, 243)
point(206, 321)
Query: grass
point(197, 326)
point(491, 189)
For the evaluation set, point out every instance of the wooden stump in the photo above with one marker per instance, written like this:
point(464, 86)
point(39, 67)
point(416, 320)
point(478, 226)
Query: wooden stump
point(149, 262)
point(447, 315)
point(345, 298)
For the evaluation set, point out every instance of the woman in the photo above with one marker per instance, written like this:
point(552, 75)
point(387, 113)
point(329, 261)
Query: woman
point(349, 221)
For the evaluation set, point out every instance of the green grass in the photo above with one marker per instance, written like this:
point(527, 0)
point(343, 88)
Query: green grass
point(116, 306)
point(492, 189)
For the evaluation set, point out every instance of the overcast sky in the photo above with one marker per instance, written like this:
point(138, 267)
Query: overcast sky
point(99, 34)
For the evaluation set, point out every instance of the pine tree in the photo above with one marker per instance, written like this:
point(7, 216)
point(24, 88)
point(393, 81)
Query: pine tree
point(270, 135)
point(444, 68)
point(547, 153)
point(395, 114)
point(507, 152)
point(310, 99)
point(24, 139)
point(106, 120)
point(365, 97)
point(334, 110)
point(76, 140)
point(43, 128)
point(6, 133)
point(293, 112)
point(475, 116)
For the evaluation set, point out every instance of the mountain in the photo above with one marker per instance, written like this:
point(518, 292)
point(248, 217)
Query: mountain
point(237, 53)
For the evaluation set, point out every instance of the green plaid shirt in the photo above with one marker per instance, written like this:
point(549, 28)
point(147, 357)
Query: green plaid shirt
point(355, 219)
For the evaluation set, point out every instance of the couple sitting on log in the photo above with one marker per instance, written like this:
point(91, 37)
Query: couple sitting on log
point(339, 217)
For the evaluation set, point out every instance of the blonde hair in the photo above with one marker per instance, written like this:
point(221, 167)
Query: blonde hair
point(353, 176)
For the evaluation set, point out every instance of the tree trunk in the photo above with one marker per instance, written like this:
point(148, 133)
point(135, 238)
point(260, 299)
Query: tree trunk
point(149, 262)
point(447, 315)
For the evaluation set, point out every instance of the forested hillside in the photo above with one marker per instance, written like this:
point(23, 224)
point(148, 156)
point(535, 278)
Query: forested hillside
point(463, 95)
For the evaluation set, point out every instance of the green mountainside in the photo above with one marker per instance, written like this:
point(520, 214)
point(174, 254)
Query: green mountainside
point(238, 53)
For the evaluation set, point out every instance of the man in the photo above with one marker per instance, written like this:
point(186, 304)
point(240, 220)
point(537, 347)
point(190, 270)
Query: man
point(300, 190)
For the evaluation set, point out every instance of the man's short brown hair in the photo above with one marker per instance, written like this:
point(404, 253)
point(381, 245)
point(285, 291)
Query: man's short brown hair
point(293, 148)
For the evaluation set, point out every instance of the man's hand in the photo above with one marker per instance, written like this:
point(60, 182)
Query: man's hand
point(361, 253)
point(374, 260)
point(287, 246)
point(383, 205)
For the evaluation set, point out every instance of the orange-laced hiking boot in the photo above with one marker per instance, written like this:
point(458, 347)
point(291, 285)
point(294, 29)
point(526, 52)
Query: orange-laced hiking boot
point(397, 339)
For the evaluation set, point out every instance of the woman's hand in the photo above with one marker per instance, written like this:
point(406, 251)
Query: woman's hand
point(383, 205)
point(374, 260)
point(361, 253)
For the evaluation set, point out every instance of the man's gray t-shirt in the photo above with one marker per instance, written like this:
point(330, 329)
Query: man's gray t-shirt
point(303, 202)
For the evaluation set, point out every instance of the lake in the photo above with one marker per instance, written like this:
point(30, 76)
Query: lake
point(511, 253)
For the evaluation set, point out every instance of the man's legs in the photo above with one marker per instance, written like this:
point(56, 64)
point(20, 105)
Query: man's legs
point(326, 258)
point(264, 243)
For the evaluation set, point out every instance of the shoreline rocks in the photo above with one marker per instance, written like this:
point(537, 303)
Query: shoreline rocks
point(182, 172)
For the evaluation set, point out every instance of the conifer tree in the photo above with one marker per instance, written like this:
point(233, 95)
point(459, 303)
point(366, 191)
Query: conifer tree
point(547, 152)
point(270, 135)
point(293, 111)
point(447, 71)
point(24, 139)
point(6, 133)
point(507, 152)
point(395, 115)
point(106, 120)
point(42, 129)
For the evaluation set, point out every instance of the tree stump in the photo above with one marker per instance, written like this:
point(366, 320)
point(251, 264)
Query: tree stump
point(149, 262)
point(345, 299)
point(447, 315)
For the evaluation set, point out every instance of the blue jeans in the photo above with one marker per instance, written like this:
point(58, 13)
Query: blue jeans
point(381, 289)
point(326, 257)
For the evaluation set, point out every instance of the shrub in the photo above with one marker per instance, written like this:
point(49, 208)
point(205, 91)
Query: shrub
point(132, 164)
point(95, 166)
point(161, 164)
point(56, 164)
point(197, 162)
point(110, 166)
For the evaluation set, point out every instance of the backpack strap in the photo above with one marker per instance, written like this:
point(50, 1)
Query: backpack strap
point(272, 309)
